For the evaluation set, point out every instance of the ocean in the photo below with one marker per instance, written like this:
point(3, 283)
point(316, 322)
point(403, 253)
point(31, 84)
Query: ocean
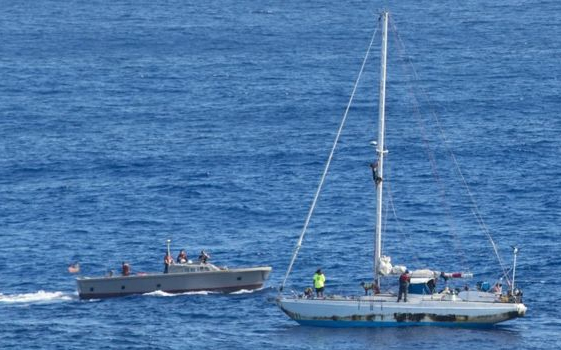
point(127, 123)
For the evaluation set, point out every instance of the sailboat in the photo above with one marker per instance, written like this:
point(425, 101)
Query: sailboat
point(471, 308)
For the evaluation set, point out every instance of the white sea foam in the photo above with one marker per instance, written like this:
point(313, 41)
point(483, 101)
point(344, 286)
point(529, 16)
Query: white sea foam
point(160, 293)
point(242, 291)
point(39, 297)
point(246, 291)
point(201, 292)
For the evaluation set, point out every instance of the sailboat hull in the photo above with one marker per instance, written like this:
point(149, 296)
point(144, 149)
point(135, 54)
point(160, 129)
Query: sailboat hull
point(384, 311)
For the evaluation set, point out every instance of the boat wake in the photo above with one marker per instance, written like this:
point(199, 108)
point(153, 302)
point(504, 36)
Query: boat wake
point(160, 293)
point(39, 297)
point(201, 292)
point(247, 291)
point(242, 291)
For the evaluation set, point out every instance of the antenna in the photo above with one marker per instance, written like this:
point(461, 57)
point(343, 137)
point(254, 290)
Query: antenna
point(515, 252)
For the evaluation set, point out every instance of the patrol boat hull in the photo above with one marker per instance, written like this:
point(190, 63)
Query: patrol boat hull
point(180, 279)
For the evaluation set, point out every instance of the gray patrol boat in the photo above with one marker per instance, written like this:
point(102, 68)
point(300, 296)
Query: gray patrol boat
point(180, 278)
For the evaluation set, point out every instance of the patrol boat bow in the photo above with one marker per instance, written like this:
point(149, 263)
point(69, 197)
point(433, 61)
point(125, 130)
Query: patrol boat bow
point(467, 308)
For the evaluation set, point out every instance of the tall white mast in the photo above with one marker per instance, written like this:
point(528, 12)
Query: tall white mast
point(380, 148)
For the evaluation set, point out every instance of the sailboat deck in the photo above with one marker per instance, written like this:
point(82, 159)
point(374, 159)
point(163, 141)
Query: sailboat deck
point(411, 299)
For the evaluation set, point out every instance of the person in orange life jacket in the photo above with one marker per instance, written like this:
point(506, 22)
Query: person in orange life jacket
point(126, 269)
point(168, 260)
point(404, 280)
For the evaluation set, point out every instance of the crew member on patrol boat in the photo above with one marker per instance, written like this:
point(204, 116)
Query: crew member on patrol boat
point(168, 260)
point(203, 257)
point(126, 269)
point(182, 257)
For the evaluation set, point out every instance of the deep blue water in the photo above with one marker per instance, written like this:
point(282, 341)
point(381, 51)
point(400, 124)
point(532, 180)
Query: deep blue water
point(123, 124)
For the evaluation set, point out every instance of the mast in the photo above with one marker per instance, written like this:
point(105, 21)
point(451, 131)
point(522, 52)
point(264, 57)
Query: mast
point(380, 147)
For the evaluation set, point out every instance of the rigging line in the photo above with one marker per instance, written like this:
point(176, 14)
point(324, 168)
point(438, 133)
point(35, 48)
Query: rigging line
point(391, 206)
point(397, 221)
point(328, 163)
point(432, 160)
point(476, 211)
point(433, 163)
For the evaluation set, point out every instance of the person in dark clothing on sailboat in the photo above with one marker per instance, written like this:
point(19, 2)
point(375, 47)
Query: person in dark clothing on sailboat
point(431, 284)
point(377, 179)
point(404, 280)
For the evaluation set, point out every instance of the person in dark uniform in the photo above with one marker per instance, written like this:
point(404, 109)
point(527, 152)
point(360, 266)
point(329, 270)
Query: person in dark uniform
point(203, 257)
point(404, 280)
point(182, 257)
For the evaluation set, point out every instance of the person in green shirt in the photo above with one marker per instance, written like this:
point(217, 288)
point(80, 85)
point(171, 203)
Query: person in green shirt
point(319, 283)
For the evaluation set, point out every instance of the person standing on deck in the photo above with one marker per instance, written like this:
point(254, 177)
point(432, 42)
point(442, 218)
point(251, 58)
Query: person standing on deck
point(319, 283)
point(168, 260)
point(404, 280)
